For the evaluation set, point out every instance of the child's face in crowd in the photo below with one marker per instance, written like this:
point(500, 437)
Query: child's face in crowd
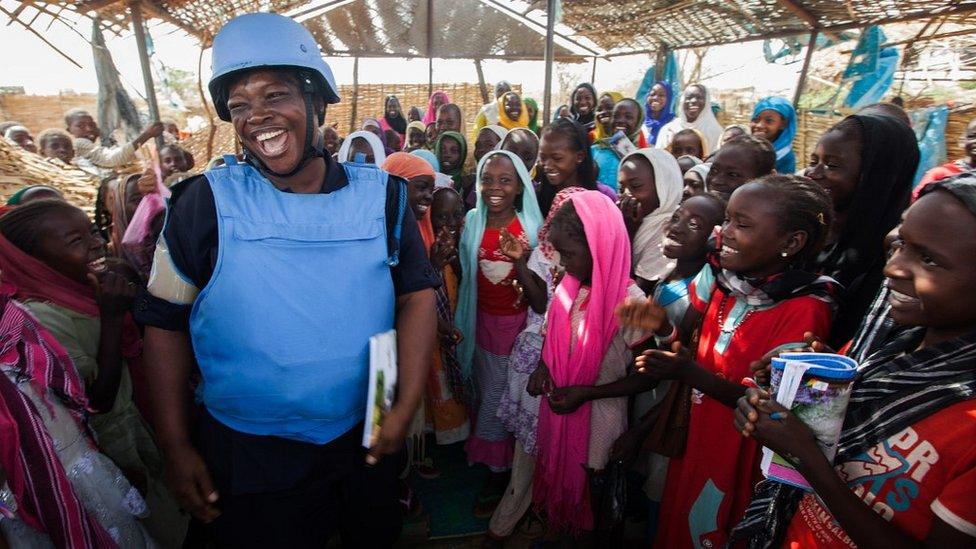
point(331, 139)
point(531, 110)
point(732, 167)
point(447, 210)
point(171, 161)
point(636, 176)
point(564, 112)
point(448, 120)
point(416, 139)
point(732, 133)
point(132, 197)
point(604, 112)
point(686, 234)
point(557, 160)
point(84, 126)
point(574, 253)
point(59, 147)
point(420, 194)
point(439, 100)
point(625, 117)
point(931, 270)
point(656, 99)
point(171, 129)
point(584, 101)
point(523, 146)
point(361, 146)
point(500, 185)
point(969, 141)
point(694, 185)
point(69, 245)
point(694, 103)
point(450, 157)
point(686, 144)
point(431, 132)
point(769, 124)
point(752, 241)
point(392, 108)
point(267, 109)
point(24, 140)
point(513, 106)
point(487, 140)
point(414, 115)
point(836, 165)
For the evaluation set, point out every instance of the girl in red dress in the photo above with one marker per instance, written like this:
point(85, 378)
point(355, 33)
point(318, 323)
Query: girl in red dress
point(753, 299)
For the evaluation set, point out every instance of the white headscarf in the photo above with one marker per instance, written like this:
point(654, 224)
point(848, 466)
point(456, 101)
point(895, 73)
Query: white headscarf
point(648, 245)
point(379, 153)
point(705, 123)
point(702, 171)
point(497, 130)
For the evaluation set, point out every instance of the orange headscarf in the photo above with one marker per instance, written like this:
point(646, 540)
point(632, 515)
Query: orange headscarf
point(409, 166)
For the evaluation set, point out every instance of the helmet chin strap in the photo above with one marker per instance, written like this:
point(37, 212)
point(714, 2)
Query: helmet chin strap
point(312, 148)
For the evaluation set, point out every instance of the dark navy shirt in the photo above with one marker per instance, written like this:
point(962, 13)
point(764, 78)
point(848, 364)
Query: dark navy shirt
point(192, 239)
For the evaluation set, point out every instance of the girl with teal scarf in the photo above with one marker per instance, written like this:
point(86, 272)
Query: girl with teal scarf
point(491, 312)
point(775, 119)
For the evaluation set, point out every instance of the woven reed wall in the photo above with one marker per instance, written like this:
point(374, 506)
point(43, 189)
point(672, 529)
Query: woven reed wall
point(810, 126)
point(40, 112)
point(371, 99)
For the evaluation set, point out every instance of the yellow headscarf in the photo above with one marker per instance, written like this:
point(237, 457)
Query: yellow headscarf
point(506, 122)
point(598, 129)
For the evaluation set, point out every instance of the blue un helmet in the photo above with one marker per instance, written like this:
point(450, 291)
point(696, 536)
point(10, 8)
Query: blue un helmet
point(269, 40)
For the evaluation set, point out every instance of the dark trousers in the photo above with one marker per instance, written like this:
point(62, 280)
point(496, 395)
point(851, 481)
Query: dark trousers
point(282, 493)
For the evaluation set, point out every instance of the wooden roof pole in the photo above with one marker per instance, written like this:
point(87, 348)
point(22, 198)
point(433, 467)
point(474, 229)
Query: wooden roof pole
point(355, 95)
point(802, 82)
point(482, 85)
point(550, 50)
point(430, 48)
point(135, 12)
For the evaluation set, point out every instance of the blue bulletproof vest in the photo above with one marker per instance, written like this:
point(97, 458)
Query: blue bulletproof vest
point(302, 281)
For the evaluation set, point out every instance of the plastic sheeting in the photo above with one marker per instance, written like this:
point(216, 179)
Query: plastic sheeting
point(930, 127)
point(670, 75)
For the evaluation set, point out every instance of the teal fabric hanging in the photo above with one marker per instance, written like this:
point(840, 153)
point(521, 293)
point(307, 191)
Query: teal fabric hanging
point(930, 125)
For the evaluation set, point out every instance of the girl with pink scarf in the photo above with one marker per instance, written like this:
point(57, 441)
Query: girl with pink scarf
point(585, 359)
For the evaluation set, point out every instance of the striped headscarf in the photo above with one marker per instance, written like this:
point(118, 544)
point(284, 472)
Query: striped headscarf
point(45, 498)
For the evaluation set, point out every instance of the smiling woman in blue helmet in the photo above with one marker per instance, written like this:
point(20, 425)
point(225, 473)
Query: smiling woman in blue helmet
point(271, 275)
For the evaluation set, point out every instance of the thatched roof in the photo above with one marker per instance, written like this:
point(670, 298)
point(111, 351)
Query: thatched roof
point(644, 25)
point(513, 29)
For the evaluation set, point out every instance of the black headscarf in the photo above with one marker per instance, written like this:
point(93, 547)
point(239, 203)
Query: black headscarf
point(889, 158)
point(398, 122)
point(585, 174)
point(585, 121)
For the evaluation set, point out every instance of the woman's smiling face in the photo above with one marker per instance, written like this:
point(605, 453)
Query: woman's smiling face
point(694, 103)
point(267, 108)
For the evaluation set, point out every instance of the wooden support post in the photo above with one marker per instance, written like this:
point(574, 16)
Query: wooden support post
point(482, 85)
point(355, 94)
point(211, 127)
point(660, 58)
point(135, 12)
point(430, 48)
point(550, 52)
point(593, 72)
point(811, 45)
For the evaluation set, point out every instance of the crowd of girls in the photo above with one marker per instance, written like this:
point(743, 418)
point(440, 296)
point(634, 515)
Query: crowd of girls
point(603, 318)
